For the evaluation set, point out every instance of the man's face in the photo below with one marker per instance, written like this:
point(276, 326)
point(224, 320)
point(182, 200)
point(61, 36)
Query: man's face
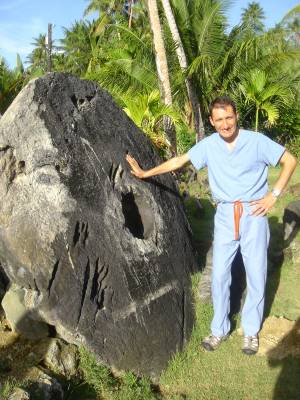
point(225, 122)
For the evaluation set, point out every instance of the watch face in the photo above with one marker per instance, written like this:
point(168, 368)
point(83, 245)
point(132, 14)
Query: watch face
point(276, 192)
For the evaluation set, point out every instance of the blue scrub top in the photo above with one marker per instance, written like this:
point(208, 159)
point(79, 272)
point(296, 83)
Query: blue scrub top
point(240, 173)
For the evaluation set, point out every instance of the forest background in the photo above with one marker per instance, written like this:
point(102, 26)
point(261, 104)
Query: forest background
point(163, 62)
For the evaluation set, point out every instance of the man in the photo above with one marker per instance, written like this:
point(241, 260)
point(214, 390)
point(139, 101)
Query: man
point(237, 162)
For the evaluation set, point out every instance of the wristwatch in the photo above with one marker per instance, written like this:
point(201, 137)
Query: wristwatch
point(276, 193)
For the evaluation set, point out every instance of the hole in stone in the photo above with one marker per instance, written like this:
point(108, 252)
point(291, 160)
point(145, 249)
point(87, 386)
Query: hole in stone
point(138, 216)
point(74, 100)
point(57, 167)
point(21, 166)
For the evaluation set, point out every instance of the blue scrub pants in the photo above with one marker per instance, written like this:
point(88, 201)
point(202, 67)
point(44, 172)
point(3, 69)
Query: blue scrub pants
point(253, 241)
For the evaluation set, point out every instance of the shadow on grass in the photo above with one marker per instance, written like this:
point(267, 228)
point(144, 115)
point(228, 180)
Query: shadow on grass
point(275, 261)
point(288, 384)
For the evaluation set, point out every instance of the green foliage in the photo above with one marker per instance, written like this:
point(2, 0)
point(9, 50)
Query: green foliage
point(185, 138)
point(96, 375)
point(37, 59)
point(264, 95)
point(8, 387)
point(294, 146)
point(10, 83)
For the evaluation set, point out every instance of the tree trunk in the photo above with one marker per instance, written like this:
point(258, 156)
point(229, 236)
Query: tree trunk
point(198, 121)
point(130, 13)
point(162, 69)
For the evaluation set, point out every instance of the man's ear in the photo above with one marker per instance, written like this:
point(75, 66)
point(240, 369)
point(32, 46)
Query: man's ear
point(237, 116)
point(211, 121)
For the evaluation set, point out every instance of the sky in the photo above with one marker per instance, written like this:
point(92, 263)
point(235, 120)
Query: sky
point(23, 20)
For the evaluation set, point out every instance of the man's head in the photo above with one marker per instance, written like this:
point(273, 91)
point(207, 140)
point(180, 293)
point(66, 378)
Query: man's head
point(224, 118)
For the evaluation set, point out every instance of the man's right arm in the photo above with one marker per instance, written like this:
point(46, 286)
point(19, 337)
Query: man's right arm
point(171, 165)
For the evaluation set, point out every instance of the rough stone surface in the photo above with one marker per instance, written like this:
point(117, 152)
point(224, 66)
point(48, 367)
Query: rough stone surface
point(45, 387)
point(20, 318)
point(61, 357)
point(102, 256)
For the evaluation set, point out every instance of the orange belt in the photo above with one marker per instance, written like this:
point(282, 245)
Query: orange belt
point(238, 211)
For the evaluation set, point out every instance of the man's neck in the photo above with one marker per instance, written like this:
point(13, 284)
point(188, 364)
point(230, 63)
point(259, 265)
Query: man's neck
point(230, 142)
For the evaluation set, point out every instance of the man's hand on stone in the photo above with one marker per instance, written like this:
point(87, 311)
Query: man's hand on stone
point(136, 170)
point(263, 206)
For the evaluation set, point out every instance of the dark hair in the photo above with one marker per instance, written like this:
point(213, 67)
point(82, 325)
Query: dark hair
point(222, 102)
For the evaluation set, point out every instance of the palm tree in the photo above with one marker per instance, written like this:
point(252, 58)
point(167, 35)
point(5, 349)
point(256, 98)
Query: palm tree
point(253, 16)
point(201, 25)
point(77, 46)
point(11, 82)
point(264, 94)
point(162, 67)
point(37, 59)
point(198, 122)
point(292, 23)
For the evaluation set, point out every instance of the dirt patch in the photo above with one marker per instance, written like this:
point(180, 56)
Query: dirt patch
point(280, 338)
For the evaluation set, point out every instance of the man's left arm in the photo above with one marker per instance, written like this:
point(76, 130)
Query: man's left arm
point(288, 164)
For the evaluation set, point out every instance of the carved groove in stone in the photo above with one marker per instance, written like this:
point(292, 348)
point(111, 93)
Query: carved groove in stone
point(115, 174)
point(81, 233)
point(84, 288)
point(54, 272)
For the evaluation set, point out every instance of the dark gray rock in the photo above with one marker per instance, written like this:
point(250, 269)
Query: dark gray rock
point(103, 256)
point(46, 387)
point(4, 281)
point(291, 220)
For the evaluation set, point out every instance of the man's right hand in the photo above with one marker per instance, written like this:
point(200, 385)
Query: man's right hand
point(136, 170)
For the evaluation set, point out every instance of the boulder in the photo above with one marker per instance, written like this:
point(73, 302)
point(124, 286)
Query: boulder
point(102, 256)
point(20, 317)
point(291, 221)
point(19, 394)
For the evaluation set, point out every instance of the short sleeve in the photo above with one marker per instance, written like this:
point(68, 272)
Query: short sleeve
point(269, 151)
point(198, 154)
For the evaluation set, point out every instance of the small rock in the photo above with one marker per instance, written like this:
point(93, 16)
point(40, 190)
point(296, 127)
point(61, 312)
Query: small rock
point(61, 357)
point(19, 394)
point(19, 316)
point(46, 388)
point(8, 338)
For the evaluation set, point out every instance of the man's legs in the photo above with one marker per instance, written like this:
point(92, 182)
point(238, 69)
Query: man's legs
point(224, 251)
